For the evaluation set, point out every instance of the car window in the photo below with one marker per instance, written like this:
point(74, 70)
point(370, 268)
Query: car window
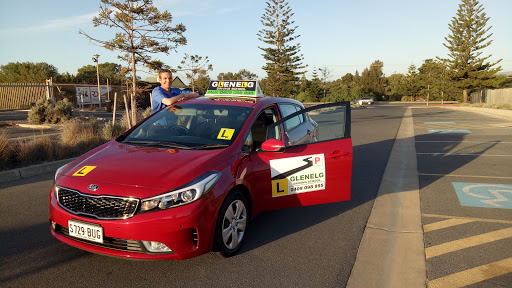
point(191, 126)
point(288, 109)
point(321, 123)
point(260, 131)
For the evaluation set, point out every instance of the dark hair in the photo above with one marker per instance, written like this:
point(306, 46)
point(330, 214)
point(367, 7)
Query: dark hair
point(164, 71)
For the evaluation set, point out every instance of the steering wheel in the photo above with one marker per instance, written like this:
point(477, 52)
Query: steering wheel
point(179, 130)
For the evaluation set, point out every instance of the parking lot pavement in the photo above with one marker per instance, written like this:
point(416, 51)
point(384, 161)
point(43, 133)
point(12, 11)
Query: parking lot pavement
point(465, 177)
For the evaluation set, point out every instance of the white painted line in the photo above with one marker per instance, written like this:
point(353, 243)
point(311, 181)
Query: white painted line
point(468, 176)
point(464, 141)
point(462, 154)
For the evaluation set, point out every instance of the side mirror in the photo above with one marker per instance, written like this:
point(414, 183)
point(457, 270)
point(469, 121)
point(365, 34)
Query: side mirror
point(273, 145)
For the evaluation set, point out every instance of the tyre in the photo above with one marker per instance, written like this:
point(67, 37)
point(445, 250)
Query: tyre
point(232, 223)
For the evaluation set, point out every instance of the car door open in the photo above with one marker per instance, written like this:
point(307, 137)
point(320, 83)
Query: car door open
point(316, 164)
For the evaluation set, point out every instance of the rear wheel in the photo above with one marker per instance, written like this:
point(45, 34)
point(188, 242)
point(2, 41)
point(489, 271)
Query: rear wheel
point(231, 224)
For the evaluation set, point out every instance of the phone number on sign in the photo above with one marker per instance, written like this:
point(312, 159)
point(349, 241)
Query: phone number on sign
point(307, 187)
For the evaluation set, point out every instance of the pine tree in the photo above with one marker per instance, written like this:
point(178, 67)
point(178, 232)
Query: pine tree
point(468, 36)
point(141, 30)
point(283, 61)
point(194, 67)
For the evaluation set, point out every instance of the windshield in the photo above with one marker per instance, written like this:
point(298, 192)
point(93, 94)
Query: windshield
point(191, 126)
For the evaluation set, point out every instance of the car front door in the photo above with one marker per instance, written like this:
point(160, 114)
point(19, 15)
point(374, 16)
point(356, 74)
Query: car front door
point(315, 166)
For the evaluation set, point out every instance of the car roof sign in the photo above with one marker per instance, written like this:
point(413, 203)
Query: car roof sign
point(234, 88)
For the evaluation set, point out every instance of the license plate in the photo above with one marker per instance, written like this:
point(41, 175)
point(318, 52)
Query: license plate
point(86, 231)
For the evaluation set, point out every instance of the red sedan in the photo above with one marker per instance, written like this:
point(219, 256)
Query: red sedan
point(189, 178)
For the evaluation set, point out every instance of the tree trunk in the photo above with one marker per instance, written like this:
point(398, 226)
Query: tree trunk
point(134, 91)
point(465, 95)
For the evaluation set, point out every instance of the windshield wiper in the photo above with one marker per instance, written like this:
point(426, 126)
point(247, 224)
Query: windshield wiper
point(209, 146)
point(158, 144)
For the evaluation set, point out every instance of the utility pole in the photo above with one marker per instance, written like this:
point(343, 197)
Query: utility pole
point(95, 59)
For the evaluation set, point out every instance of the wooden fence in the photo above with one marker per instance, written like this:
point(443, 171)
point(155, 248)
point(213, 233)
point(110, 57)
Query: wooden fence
point(21, 95)
point(497, 96)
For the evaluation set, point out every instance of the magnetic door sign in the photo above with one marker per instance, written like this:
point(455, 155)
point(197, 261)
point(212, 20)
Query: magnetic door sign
point(297, 175)
point(84, 170)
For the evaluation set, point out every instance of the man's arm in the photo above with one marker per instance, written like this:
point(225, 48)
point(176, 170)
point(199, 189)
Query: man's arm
point(180, 97)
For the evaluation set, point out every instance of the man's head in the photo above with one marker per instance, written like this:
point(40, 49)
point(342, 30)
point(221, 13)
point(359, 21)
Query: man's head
point(165, 78)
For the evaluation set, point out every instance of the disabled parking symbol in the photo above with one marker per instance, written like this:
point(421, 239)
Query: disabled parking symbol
point(484, 195)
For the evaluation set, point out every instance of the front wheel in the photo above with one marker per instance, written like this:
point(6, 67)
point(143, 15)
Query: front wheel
point(231, 224)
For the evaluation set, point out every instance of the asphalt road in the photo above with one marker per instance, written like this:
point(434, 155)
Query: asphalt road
point(307, 247)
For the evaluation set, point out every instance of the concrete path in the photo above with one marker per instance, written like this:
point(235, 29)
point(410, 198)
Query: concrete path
point(391, 253)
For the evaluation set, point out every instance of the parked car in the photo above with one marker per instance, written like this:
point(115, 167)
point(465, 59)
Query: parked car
point(189, 178)
point(365, 100)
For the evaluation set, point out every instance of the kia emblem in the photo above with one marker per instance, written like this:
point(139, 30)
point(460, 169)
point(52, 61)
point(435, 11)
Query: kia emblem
point(93, 187)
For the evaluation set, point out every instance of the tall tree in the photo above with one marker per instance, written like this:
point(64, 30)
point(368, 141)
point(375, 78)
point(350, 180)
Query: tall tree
point(468, 37)
point(412, 84)
point(325, 74)
point(27, 72)
point(107, 70)
point(372, 80)
point(194, 66)
point(283, 62)
point(202, 82)
point(141, 30)
point(431, 77)
point(243, 74)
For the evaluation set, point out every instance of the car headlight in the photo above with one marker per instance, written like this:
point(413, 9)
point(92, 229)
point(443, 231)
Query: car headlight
point(181, 196)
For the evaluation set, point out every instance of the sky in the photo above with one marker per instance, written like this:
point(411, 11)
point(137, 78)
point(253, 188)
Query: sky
point(342, 36)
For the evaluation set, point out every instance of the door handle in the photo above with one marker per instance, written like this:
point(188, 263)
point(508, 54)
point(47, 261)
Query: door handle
point(338, 154)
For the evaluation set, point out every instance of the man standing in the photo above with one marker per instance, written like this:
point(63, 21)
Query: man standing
point(164, 95)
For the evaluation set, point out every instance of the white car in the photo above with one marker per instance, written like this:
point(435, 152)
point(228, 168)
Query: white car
point(365, 100)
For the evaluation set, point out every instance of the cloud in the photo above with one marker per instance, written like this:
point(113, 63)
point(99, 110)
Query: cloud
point(55, 24)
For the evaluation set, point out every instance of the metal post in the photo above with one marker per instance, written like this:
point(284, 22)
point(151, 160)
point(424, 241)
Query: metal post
point(95, 59)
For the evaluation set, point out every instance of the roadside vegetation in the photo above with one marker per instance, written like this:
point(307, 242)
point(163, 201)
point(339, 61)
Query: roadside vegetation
point(78, 136)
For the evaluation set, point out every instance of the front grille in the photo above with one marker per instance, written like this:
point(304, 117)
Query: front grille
point(108, 242)
point(101, 207)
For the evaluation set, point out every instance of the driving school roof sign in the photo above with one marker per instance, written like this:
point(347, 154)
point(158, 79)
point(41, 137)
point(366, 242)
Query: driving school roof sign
point(234, 88)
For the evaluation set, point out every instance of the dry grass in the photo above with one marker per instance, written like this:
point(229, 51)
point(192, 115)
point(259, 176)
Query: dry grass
point(79, 136)
point(38, 150)
point(6, 150)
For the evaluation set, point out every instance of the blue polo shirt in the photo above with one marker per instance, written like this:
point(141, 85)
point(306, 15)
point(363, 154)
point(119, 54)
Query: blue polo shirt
point(159, 94)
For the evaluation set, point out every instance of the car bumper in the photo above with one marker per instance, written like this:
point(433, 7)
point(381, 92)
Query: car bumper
point(187, 230)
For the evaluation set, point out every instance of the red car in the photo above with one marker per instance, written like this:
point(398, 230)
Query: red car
point(189, 178)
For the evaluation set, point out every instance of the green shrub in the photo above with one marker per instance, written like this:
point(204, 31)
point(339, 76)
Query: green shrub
point(404, 98)
point(45, 111)
point(64, 109)
point(111, 131)
point(37, 113)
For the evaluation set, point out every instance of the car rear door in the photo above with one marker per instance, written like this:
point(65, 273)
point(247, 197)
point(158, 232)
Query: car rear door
point(316, 165)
